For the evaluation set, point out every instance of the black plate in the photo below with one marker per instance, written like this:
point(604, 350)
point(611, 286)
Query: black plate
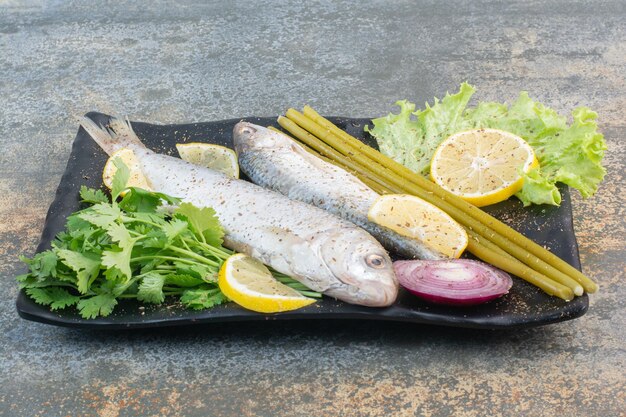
point(524, 306)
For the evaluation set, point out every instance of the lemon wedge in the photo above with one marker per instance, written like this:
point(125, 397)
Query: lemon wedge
point(136, 179)
point(250, 284)
point(211, 156)
point(417, 219)
point(482, 166)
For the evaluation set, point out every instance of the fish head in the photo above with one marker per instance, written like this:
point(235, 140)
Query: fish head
point(361, 266)
point(249, 137)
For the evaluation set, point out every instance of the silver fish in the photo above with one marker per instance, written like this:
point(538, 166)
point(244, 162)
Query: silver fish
point(324, 252)
point(275, 161)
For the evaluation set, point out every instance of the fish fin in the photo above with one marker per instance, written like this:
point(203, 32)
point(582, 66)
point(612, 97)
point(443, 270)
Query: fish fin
point(117, 134)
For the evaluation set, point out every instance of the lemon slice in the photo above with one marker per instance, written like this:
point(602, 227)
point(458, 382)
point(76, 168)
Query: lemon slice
point(250, 284)
point(211, 156)
point(482, 166)
point(136, 179)
point(415, 218)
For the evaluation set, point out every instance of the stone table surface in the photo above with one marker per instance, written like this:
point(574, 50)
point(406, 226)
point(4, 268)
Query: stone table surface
point(183, 61)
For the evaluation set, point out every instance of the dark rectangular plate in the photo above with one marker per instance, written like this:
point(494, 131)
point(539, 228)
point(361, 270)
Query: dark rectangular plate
point(523, 306)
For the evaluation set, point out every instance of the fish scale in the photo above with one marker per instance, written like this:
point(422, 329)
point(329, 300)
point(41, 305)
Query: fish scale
point(274, 161)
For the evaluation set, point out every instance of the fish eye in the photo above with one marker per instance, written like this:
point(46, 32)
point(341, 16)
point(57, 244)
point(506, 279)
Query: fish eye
point(248, 130)
point(375, 261)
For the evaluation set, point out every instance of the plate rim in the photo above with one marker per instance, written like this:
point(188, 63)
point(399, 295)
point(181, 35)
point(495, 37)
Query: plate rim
point(29, 310)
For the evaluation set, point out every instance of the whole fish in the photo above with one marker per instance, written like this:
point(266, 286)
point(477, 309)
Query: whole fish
point(324, 252)
point(275, 161)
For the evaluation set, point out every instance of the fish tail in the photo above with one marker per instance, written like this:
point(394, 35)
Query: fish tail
point(117, 134)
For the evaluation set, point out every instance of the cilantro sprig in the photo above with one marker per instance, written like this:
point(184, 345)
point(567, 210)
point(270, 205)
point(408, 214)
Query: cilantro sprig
point(132, 247)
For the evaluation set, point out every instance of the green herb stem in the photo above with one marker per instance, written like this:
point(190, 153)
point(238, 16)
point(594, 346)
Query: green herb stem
point(163, 257)
point(222, 253)
point(195, 256)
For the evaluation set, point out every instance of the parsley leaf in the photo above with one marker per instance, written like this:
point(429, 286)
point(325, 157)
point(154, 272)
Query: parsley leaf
point(76, 224)
point(29, 281)
point(120, 178)
point(120, 234)
point(43, 264)
point(101, 214)
point(40, 295)
point(90, 195)
point(181, 280)
point(138, 200)
point(114, 276)
point(99, 305)
point(86, 267)
point(118, 258)
point(174, 228)
point(151, 288)
point(202, 298)
point(198, 271)
point(56, 297)
point(203, 222)
point(151, 220)
point(155, 238)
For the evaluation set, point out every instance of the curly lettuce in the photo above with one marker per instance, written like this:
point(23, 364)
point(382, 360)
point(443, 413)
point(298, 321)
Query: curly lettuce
point(571, 154)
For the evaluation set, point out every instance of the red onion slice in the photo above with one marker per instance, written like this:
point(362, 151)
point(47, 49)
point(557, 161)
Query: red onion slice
point(453, 281)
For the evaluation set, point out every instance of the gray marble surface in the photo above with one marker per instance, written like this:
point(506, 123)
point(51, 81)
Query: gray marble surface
point(185, 61)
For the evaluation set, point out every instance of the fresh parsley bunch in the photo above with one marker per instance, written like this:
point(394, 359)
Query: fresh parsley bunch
point(132, 249)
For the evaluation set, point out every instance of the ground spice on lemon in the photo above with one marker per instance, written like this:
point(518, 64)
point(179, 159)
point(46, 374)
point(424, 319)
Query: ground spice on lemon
point(415, 218)
point(209, 155)
point(249, 283)
point(482, 166)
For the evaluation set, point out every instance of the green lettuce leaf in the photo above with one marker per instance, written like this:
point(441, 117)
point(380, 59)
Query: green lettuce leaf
point(571, 154)
point(411, 137)
point(538, 190)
